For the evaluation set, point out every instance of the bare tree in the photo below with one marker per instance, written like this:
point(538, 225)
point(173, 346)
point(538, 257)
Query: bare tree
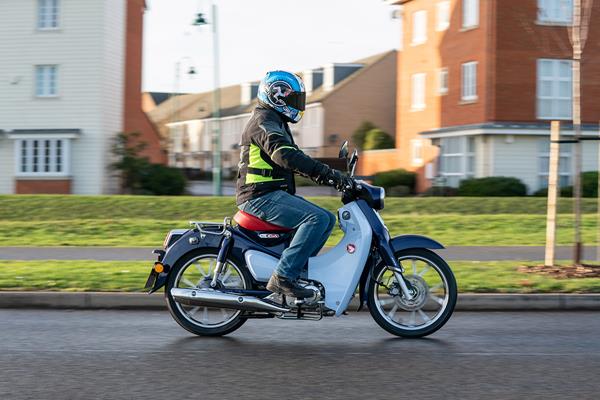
point(582, 10)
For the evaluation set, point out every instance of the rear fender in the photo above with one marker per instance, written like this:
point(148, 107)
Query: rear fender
point(190, 241)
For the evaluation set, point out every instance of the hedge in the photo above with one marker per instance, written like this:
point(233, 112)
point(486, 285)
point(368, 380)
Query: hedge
point(492, 186)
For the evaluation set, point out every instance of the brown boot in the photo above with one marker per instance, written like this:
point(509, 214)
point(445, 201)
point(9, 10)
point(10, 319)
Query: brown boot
point(288, 287)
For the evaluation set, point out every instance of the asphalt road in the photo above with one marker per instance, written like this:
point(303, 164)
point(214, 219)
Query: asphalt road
point(477, 253)
point(145, 355)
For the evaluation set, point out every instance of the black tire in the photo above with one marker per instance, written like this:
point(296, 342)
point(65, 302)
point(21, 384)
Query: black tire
point(445, 315)
point(176, 313)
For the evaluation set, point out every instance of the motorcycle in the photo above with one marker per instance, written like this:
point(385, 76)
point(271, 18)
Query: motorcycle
point(215, 274)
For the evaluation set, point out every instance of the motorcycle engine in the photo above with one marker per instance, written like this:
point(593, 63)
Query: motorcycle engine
point(308, 301)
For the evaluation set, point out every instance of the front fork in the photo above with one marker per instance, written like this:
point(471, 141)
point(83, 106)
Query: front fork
point(226, 244)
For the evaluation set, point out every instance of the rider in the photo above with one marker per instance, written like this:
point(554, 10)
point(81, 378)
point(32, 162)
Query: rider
point(265, 186)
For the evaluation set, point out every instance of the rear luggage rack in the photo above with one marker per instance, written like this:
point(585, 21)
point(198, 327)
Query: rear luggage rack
point(212, 228)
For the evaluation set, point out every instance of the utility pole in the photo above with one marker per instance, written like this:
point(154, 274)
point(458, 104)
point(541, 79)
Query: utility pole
point(577, 50)
point(552, 194)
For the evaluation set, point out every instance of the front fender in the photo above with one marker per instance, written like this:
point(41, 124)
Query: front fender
point(404, 242)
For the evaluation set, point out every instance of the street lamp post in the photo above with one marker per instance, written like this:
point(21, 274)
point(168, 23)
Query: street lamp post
point(216, 114)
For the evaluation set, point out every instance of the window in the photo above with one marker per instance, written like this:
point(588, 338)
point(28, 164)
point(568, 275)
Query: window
point(443, 16)
point(443, 81)
point(470, 13)
point(48, 14)
point(418, 92)
point(555, 11)
point(457, 159)
point(45, 80)
point(554, 89)
point(42, 157)
point(469, 81)
point(419, 28)
point(564, 163)
point(417, 152)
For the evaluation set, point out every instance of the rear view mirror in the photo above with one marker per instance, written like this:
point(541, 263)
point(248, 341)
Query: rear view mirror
point(344, 150)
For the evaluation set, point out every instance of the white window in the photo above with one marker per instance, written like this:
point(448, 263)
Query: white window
point(470, 13)
point(419, 28)
point(443, 16)
point(555, 11)
point(418, 91)
point(554, 89)
point(46, 80)
point(42, 156)
point(417, 152)
point(564, 163)
point(469, 81)
point(457, 159)
point(443, 81)
point(48, 12)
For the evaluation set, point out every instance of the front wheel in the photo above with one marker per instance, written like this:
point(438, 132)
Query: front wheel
point(433, 300)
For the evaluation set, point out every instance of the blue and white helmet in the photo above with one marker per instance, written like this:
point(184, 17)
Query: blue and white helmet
point(284, 92)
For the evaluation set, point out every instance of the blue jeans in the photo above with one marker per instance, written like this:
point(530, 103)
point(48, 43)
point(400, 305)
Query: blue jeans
point(312, 223)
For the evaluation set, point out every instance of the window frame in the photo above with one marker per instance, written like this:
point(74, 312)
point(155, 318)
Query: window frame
point(418, 40)
point(44, 84)
point(468, 81)
point(443, 84)
point(464, 155)
point(473, 21)
point(555, 81)
point(416, 152)
point(48, 12)
point(423, 93)
point(40, 158)
point(544, 18)
point(564, 156)
point(442, 9)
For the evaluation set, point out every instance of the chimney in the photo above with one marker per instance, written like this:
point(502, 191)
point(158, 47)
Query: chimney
point(249, 92)
point(335, 73)
point(313, 79)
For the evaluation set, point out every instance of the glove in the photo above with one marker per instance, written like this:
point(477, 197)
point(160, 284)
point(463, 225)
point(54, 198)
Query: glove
point(339, 180)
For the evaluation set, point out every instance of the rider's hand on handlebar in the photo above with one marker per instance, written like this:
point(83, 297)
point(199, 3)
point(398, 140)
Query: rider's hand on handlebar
point(340, 181)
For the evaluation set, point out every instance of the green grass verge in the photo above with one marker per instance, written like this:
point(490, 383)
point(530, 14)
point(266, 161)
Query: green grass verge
point(47, 220)
point(452, 230)
point(474, 277)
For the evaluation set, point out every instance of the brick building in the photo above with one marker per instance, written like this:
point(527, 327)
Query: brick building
point(479, 82)
point(71, 80)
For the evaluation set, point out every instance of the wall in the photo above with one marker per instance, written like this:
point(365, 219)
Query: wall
point(370, 95)
point(89, 84)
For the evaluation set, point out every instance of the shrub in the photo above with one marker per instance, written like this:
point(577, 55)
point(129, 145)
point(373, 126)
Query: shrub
point(589, 186)
point(492, 186)
point(377, 140)
point(398, 191)
point(163, 181)
point(440, 191)
point(397, 177)
point(360, 134)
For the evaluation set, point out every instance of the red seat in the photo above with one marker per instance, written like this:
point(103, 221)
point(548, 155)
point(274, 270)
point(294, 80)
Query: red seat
point(253, 223)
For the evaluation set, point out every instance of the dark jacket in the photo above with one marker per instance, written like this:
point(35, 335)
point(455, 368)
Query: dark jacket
point(269, 157)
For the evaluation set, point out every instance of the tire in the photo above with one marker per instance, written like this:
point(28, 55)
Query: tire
point(377, 300)
point(178, 311)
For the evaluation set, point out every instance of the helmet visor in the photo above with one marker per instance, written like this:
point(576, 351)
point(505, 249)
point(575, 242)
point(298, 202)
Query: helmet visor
point(296, 100)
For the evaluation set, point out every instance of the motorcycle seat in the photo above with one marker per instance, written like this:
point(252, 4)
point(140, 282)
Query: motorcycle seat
point(252, 223)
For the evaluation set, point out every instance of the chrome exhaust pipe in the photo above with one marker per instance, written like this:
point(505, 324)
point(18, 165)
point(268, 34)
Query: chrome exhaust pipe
point(213, 298)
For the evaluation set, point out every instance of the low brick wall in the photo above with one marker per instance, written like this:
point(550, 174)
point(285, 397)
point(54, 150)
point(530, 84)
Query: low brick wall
point(43, 186)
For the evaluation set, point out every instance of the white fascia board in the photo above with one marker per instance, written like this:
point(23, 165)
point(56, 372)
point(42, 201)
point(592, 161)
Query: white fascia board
point(502, 131)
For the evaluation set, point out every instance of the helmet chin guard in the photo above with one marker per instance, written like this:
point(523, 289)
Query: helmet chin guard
point(283, 92)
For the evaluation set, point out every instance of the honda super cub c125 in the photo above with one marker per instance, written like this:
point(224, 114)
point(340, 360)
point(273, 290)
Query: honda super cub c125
point(215, 274)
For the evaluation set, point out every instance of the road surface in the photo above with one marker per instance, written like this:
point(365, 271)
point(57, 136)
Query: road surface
point(145, 355)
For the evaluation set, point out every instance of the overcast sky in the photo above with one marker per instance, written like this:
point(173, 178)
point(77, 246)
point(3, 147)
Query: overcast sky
point(260, 35)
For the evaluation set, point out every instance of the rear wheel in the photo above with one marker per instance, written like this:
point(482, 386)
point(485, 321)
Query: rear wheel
point(195, 271)
point(432, 304)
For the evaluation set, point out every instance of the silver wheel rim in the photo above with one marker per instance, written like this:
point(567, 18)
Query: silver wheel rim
point(432, 298)
point(197, 273)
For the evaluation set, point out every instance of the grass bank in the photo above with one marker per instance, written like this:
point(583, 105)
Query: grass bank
point(473, 277)
point(144, 220)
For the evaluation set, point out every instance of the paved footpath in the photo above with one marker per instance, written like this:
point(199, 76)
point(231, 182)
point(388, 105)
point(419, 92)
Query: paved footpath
point(476, 253)
point(146, 355)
